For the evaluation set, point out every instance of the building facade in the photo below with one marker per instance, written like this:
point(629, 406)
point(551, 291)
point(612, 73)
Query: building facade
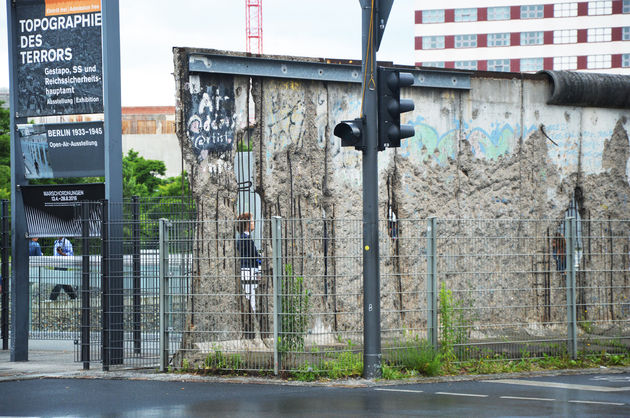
point(524, 35)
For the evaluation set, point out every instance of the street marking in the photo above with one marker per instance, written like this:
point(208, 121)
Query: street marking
point(524, 398)
point(399, 390)
point(473, 395)
point(600, 403)
point(613, 379)
point(558, 385)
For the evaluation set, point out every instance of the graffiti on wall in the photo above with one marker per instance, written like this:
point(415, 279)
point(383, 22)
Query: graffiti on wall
point(285, 116)
point(210, 116)
point(430, 144)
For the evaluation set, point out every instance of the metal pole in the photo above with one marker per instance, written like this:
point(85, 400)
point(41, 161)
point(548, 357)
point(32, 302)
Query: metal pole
point(432, 324)
point(85, 286)
point(137, 317)
point(4, 273)
point(276, 240)
point(113, 169)
point(569, 230)
point(105, 296)
point(371, 274)
point(19, 250)
point(163, 292)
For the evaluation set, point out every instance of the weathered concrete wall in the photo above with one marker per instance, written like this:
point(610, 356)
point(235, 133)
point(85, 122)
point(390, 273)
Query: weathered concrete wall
point(496, 151)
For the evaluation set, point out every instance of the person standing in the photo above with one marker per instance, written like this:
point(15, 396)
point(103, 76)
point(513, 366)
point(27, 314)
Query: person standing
point(250, 264)
point(63, 247)
point(34, 249)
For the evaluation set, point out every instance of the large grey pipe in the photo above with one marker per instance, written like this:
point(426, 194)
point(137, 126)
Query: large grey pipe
point(589, 89)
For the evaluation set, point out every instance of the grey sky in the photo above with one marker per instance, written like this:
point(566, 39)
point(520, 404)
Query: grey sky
point(312, 28)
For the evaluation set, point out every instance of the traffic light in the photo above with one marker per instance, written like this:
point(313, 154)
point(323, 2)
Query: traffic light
point(351, 133)
point(390, 106)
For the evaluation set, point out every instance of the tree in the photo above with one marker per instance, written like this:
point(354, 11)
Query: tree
point(140, 176)
point(5, 153)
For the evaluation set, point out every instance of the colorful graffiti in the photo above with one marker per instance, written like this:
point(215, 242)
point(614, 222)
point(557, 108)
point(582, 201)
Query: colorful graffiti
point(429, 144)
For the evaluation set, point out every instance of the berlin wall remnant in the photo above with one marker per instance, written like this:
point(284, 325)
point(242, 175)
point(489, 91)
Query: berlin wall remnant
point(496, 151)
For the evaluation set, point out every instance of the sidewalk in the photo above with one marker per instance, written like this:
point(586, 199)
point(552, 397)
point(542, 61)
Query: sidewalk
point(45, 359)
point(55, 359)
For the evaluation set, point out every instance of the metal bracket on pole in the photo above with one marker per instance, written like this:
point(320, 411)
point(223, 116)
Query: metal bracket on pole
point(276, 238)
point(163, 291)
point(432, 323)
point(570, 232)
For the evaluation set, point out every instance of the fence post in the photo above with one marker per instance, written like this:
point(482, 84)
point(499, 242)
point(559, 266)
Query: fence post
point(276, 239)
point(105, 291)
point(570, 231)
point(432, 323)
point(85, 285)
point(5, 274)
point(164, 345)
point(135, 243)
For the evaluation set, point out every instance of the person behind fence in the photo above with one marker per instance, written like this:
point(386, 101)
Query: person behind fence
point(63, 247)
point(250, 258)
point(34, 249)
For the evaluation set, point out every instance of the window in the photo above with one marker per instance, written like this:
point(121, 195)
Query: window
point(499, 65)
point(531, 64)
point(600, 7)
point(532, 38)
point(432, 42)
point(499, 13)
point(432, 16)
point(625, 60)
point(465, 41)
point(626, 6)
point(436, 64)
point(598, 61)
point(598, 35)
point(466, 65)
point(565, 10)
point(565, 63)
point(533, 12)
point(465, 15)
point(498, 39)
point(626, 33)
point(568, 36)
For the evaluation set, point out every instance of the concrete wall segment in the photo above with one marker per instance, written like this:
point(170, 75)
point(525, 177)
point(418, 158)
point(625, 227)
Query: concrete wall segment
point(497, 151)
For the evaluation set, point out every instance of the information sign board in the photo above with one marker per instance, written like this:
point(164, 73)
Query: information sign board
point(56, 150)
point(59, 58)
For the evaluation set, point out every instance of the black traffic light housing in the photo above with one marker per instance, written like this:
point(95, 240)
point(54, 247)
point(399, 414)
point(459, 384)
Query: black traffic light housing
point(390, 106)
point(351, 133)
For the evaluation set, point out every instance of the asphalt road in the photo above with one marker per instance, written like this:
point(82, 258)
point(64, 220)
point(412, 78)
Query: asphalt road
point(584, 395)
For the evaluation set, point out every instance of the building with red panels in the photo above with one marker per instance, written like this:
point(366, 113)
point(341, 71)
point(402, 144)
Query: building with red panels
point(524, 35)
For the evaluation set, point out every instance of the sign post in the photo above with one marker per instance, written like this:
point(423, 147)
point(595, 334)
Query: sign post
point(113, 174)
point(57, 66)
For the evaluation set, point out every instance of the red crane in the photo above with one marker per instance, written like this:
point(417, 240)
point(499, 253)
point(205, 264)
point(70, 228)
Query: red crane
point(253, 30)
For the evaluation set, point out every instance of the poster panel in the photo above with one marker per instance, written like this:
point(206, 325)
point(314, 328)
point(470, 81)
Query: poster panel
point(55, 150)
point(54, 210)
point(59, 58)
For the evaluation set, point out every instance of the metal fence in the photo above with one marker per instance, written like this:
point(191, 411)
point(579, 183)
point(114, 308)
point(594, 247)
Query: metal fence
point(177, 294)
point(497, 289)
